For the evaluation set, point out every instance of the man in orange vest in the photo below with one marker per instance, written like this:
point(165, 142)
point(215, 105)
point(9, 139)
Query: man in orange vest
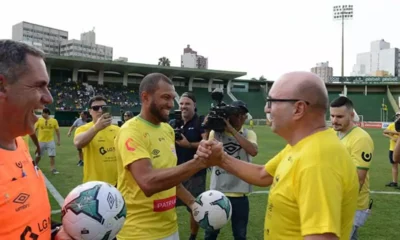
point(24, 203)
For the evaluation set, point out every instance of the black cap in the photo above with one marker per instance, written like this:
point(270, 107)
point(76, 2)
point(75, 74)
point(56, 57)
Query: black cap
point(189, 95)
point(240, 104)
point(46, 110)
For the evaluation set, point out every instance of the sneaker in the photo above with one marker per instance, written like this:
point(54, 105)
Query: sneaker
point(391, 184)
point(80, 163)
point(54, 171)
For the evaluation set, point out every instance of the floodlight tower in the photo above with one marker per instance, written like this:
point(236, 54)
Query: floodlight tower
point(341, 13)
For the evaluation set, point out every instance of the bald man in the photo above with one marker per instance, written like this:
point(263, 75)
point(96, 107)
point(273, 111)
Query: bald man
point(314, 181)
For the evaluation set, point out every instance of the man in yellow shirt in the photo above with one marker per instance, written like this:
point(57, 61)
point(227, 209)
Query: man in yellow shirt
point(45, 128)
point(148, 175)
point(361, 148)
point(391, 133)
point(315, 184)
point(96, 139)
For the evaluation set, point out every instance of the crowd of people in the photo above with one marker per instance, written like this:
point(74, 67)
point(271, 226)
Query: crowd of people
point(73, 96)
point(319, 181)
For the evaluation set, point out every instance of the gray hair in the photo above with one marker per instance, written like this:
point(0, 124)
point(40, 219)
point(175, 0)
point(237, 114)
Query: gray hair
point(13, 58)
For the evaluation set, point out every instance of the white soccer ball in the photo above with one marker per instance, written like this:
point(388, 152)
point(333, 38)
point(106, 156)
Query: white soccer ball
point(212, 210)
point(93, 210)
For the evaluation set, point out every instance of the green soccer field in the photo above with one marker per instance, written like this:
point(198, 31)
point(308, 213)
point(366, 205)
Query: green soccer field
point(382, 224)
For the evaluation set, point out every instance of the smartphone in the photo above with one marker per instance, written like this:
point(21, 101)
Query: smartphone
point(106, 111)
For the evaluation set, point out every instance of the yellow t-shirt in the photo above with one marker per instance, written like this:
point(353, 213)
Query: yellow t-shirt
point(315, 189)
point(392, 144)
point(361, 148)
point(147, 217)
point(45, 129)
point(99, 155)
point(251, 136)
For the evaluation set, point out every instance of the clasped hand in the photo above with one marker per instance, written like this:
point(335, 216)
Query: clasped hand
point(211, 152)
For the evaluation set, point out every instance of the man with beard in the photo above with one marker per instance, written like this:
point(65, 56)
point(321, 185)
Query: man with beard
point(361, 147)
point(192, 134)
point(314, 183)
point(148, 175)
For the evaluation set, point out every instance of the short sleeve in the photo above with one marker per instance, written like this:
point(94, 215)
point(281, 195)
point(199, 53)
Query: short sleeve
point(390, 127)
point(132, 146)
point(75, 124)
point(271, 166)
point(56, 124)
point(251, 136)
point(318, 191)
point(362, 152)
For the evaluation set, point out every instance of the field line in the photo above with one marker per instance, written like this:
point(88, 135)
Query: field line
point(372, 192)
point(57, 196)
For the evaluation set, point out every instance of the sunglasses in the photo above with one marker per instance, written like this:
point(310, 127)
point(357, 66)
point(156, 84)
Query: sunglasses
point(271, 100)
point(97, 108)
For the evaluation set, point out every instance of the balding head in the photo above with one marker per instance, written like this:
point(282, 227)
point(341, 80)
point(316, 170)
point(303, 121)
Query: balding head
point(304, 86)
point(298, 100)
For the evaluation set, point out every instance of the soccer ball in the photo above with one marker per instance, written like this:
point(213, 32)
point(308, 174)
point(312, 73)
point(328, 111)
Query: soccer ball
point(93, 210)
point(212, 210)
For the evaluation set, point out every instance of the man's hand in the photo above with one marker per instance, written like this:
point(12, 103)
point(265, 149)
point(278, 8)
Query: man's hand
point(62, 235)
point(183, 142)
point(58, 143)
point(228, 127)
point(211, 152)
point(103, 122)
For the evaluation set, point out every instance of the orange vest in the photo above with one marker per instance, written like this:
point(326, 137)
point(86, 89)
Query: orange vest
point(24, 205)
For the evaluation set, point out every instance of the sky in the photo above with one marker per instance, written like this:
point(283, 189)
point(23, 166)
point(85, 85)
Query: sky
point(260, 37)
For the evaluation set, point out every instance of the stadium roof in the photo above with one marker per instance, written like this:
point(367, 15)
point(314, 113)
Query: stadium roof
point(138, 68)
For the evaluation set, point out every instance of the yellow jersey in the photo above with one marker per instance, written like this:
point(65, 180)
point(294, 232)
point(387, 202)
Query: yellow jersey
point(392, 143)
point(147, 217)
point(361, 148)
point(45, 129)
point(99, 155)
point(314, 191)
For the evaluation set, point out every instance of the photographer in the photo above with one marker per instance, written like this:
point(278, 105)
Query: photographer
point(188, 133)
point(240, 143)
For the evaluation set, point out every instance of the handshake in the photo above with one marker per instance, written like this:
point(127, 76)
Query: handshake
point(210, 152)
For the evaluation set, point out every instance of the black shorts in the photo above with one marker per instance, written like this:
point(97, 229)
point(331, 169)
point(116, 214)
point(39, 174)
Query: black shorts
point(195, 185)
point(391, 157)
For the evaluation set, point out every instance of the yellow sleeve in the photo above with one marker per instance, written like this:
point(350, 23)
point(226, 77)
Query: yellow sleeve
point(132, 146)
point(271, 166)
point(391, 127)
point(362, 152)
point(36, 125)
point(251, 136)
point(56, 124)
point(80, 130)
point(318, 191)
point(211, 135)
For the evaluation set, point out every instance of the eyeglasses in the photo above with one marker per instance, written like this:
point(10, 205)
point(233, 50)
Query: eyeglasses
point(270, 100)
point(97, 108)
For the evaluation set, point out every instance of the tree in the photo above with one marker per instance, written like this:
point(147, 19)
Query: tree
point(163, 61)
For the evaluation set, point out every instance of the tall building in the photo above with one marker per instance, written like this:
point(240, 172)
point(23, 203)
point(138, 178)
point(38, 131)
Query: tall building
point(86, 47)
point(323, 70)
point(46, 38)
point(381, 57)
point(190, 59)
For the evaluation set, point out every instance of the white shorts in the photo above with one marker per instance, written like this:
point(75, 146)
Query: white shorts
point(174, 236)
point(50, 147)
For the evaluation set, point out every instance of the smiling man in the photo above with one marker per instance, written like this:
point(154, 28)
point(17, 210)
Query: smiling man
point(148, 176)
point(361, 148)
point(23, 89)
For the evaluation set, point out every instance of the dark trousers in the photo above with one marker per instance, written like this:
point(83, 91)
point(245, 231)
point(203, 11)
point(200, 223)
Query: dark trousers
point(239, 219)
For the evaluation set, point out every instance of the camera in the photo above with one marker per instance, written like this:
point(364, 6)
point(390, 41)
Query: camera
point(219, 112)
point(178, 125)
